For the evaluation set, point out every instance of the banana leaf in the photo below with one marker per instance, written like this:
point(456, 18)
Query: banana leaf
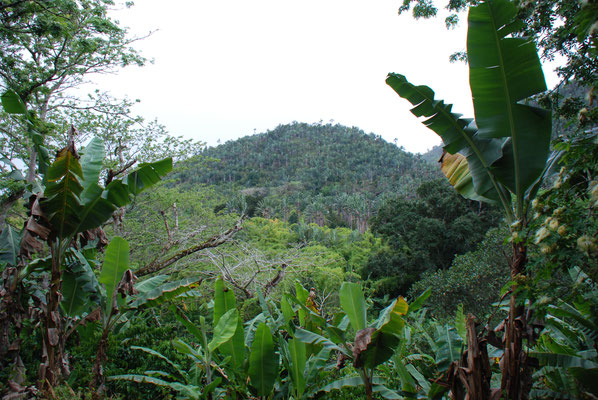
point(224, 301)
point(263, 361)
point(116, 262)
point(353, 304)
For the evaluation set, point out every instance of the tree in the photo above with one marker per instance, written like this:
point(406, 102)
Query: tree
point(424, 234)
point(565, 29)
point(48, 47)
point(505, 150)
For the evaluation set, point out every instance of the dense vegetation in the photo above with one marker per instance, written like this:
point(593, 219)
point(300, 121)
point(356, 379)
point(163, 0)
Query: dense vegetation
point(325, 174)
point(310, 261)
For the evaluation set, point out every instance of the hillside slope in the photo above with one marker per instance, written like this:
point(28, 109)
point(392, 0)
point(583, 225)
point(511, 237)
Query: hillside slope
point(325, 173)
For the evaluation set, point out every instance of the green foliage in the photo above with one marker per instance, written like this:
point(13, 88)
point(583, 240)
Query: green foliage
point(423, 235)
point(562, 239)
point(474, 279)
point(567, 348)
point(263, 361)
point(507, 147)
point(323, 174)
point(116, 262)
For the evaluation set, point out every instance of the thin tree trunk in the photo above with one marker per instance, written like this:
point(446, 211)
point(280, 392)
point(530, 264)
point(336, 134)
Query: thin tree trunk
point(53, 364)
point(98, 380)
point(516, 378)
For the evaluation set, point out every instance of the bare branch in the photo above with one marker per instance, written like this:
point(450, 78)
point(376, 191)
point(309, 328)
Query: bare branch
point(214, 241)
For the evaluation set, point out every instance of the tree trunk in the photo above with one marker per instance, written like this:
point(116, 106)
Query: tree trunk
point(98, 380)
point(475, 372)
point(516, 378)
point(53, 364)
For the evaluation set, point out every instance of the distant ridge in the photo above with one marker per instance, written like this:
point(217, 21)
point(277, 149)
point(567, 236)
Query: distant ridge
point(306, 164)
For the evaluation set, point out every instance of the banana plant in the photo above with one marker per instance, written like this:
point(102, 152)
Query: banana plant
point(214, 361)
point(503, 154)
point(366, 347)
point(74, 205)
point(566, 350)
point(112, 298)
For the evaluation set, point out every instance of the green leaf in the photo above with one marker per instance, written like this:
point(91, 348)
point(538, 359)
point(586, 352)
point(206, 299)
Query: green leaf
point(149, 284)
point(408, 384)
point(353, 304)
point(391, 318)
point(504, 71)
point(386, 392)
point(298, 360)
point(313, 338)
point(224, 301)
point(91, 164)
point(263, 361)
point(380, 347)
point(458, 134)
point(161, 356)
point(224, 329)
point(449, 347)
point(352, 381)
point(10, 242)
point(147, 175)
point(80, 288)
point(116, 262)
point(183, 319)
point(63, 187)
point(163, 293)
point(287, 310)
point(421, 380)
point(420, 300)
point(12, 103)
point(190, 391)
point(316, 363)
point(564, 360)
point(302, 295)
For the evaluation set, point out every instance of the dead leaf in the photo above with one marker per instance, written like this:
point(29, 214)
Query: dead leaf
point(363, 338)
point(126, 286)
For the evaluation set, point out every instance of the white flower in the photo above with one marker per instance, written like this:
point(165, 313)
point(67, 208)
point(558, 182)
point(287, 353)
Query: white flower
point(541, 234)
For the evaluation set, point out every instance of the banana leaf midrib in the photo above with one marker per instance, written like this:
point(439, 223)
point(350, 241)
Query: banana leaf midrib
point(468, 139)
point(509, 105)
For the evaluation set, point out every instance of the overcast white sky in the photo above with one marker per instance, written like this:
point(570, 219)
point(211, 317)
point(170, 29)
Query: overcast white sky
point(226, 68)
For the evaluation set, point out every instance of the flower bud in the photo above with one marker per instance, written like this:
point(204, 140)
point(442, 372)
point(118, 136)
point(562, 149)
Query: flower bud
point(541, 234)
point(587, 244)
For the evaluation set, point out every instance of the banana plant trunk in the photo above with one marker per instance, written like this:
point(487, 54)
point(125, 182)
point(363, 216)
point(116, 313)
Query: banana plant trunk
point(516, 377)
point(97, 384)
point(53, 362)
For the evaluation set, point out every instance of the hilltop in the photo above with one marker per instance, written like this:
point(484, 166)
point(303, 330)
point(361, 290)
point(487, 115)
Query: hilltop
point(326, 173)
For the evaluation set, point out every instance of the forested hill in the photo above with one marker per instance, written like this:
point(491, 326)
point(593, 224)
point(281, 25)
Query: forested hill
point(327, 174)
point(322, 158)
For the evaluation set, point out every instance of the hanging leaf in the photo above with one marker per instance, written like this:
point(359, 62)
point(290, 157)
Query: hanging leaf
point(10, 241)
point(353, 304)
point(503, 71)
point(12, 103)
point(458, 134)
point(263, 361)
point(224, 301)
point(224, 329)
point(116, 262)
point(160, 294)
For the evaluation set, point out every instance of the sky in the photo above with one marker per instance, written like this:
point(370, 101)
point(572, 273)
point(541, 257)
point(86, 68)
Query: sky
point(226, 69)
